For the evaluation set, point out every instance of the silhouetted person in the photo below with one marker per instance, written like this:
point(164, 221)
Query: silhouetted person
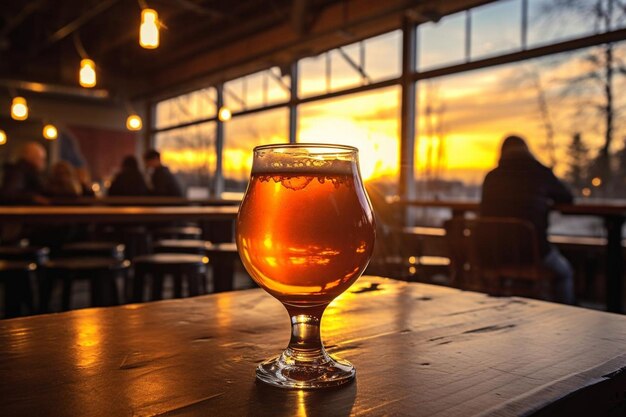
point(63, 181)
point(163, 182)
point(129, 181)
point(523, 188)
point(23, 182)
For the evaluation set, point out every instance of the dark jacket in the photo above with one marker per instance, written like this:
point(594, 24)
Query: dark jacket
point(164, 183)
point(523, 188)
point(129, 182)
point(21, 184)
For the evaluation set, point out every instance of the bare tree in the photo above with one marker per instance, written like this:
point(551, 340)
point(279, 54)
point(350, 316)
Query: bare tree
point(578, 161)
point(603, 67)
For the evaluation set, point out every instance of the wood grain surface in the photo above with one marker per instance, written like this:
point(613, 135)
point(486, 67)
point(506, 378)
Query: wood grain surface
point(419, 350)
point(94, 214)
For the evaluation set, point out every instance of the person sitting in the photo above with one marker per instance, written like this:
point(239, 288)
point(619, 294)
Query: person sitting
point(63, 181)
point(163, 182)
point(521, 187)
point(129, 181)
point(23, 182)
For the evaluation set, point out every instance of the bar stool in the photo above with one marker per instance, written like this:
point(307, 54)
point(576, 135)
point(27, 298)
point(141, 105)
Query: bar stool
point(36, 254)
point(223, 257)
point(192, 246)
point(99, 272)
point(94, 249)
point(197, 247)
point(188, 232)
point(19, 290)
point(15, 275)
point(178, 265)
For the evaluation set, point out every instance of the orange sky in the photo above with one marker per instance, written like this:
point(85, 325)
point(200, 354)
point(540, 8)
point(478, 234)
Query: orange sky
point(477, 109)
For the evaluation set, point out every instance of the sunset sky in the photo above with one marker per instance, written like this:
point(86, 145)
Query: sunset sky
point(469, 113)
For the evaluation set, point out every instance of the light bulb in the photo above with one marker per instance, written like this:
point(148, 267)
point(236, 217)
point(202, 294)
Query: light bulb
point(224, 114)
point(87, 73)
point(3, 137)
point(19, 109)
point(133, 122)
point(50, 132)
point(149, 29)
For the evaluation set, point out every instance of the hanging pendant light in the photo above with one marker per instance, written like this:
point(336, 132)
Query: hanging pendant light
point(149, 29)
point(19, 109)
point(133, 122)
point(50, 132)
point(3, 137)
point(87, 73)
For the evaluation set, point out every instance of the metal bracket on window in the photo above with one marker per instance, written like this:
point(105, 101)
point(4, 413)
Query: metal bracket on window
point(360, 68)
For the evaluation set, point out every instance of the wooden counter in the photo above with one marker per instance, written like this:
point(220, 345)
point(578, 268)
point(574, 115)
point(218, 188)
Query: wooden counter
point(419, 350)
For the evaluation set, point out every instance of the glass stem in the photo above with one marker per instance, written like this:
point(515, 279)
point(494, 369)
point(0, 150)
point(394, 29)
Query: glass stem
point(305, 346)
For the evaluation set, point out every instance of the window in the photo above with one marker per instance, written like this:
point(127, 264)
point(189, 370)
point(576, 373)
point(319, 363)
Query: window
point(496, 28)
point(552, 21)
point(190, 153)
point(241, 135)
point(187, 108)
point(368, 121)
point(441, 43)
point(463, 118)
point(256, 90)
point(371, 60)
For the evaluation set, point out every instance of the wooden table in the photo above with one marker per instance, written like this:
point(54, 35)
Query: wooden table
point(143, 201)
point(106, 214)
point(613, 214)
point(419, 350)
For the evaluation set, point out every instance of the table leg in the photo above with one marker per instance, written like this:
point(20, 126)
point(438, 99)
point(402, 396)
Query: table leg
point(614, 264)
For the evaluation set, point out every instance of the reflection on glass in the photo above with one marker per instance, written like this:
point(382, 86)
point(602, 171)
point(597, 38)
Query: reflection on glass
point(496, 28)
point(241, 135)
point(367, 121)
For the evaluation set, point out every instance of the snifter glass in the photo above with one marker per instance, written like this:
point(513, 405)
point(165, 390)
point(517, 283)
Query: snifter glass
point(305, 233)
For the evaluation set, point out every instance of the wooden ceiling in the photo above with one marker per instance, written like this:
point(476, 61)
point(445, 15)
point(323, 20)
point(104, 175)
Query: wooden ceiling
point(205, 41)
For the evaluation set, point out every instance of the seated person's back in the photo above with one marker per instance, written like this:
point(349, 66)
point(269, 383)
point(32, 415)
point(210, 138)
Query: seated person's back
point(22, 182)
point(521, 187)
point(164, 183)
point(129, 181)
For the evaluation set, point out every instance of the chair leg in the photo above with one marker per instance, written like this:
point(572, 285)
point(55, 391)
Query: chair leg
point(46, 281)
point(139, 280)
point(157, 286)
point(12, 301)
point(178, 285)
point(203, 282)
point(193, 283)
point(67, 293)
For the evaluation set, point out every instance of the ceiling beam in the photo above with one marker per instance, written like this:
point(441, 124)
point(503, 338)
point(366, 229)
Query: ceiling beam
point(17, 20)
point(77, 23)
point(280, 44)
point(54, 89)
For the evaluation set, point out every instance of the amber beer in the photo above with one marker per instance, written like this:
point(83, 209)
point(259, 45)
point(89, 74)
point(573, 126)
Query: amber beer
point(305, 232)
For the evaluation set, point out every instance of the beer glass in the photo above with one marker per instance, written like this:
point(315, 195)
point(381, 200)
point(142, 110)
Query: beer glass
point(305, 233)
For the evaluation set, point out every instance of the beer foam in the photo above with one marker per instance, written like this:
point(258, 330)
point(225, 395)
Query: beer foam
point(305, 163)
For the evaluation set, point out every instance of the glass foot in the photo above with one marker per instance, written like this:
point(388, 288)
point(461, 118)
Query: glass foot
point(283, 372)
